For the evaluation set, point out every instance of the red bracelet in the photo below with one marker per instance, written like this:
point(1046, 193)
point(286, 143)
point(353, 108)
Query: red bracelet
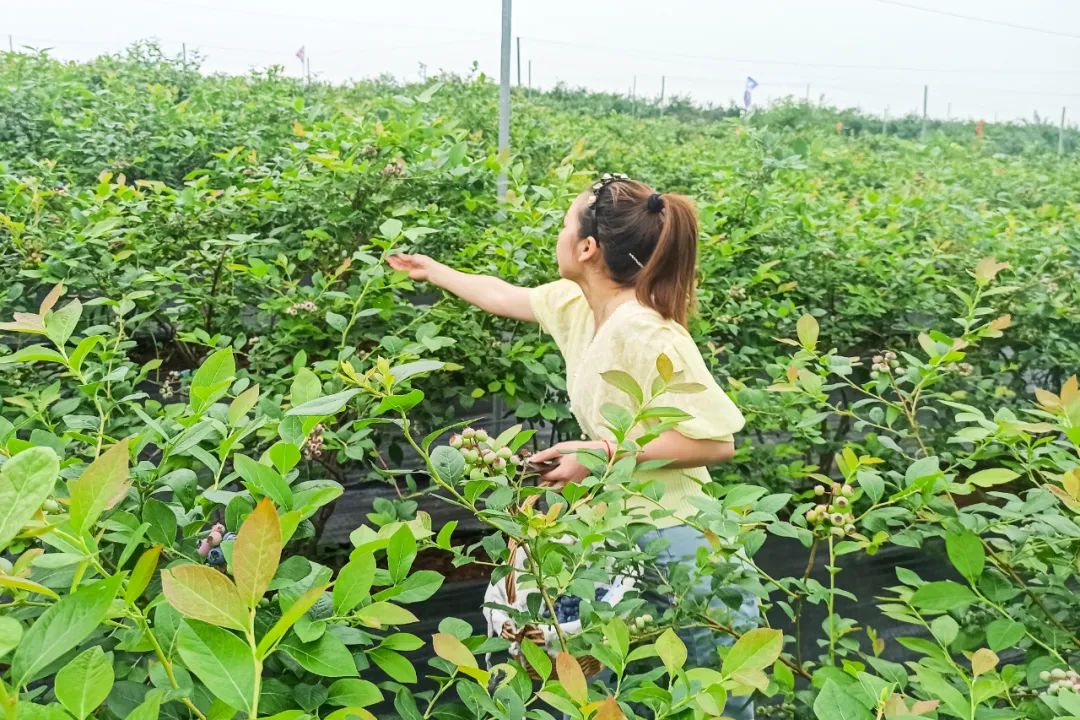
point(610, 452)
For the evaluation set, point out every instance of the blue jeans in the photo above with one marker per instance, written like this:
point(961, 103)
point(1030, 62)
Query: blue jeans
point(683, 544)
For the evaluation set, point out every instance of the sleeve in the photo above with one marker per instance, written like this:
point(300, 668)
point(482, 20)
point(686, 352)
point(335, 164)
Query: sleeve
point(713, 415)
point(557, 307)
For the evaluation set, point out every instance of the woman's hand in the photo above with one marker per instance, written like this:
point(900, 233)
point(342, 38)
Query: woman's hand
point(569, 468)
point(419, 267)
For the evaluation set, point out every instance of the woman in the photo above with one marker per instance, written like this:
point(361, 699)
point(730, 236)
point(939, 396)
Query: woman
point(627, 257)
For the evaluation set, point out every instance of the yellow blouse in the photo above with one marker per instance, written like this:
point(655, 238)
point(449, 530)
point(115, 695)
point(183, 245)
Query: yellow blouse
point(630, 340)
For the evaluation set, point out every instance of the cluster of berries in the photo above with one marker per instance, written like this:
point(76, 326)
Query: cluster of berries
point(369, 151)
point(783, 710)
point(209, 547)
point(313, 447)
point(737, 293)
point(884, 363)
point(568, 607)
point(171, 384)
point(395, 168)
point(306, 306)
point(480, 455)
point(835, 515)
point(253, 341)
point(1061, 680)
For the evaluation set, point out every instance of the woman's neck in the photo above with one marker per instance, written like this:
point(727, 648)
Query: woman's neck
point(603, 297)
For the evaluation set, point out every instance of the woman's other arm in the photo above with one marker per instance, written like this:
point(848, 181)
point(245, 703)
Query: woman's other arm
point(490, 294)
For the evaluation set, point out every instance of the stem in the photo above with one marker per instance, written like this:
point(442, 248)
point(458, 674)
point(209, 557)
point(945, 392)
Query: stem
point(831, 601)
point(165, 662)
point(257, 690)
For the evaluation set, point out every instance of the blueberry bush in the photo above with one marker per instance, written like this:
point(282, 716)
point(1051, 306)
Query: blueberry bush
point(203, 349)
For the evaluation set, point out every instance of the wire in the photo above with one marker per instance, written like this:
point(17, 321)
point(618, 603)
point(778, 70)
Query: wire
point(973, 18)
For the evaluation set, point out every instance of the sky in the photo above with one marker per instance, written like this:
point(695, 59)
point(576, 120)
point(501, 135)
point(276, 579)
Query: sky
point(988, 59)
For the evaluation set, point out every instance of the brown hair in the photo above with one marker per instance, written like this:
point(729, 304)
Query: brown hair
point(649, 242)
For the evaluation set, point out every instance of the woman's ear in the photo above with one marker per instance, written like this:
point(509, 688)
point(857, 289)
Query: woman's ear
point(588, 249)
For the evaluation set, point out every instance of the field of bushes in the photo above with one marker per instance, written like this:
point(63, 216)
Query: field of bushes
point(202, 348)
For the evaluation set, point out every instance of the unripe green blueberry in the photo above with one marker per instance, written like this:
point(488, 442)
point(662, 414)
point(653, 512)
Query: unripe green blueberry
point(1057, 674)
point(847, 491)
point(1045, 676)
point(850, 529)
point(842, 501)
point(482, 436)
point(468, 433)
point(838, 532)
point(499, 464)
point(50, 506)
point(476, 474)
point(646, 618)
point(639, 623)
point(835, 488)
point(811, 516)
point(819, 489)
point(505, 453)
point(837, 519)
point(821, 510)
point(456, 441)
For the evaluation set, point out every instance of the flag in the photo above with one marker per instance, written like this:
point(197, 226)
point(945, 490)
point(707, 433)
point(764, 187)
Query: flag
point(751, 83)
point(301, 54)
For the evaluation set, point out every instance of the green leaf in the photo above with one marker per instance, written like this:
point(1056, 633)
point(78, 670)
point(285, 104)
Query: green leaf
point(78, 355)
point(537, 658)
point(149, 708)
point(306, 386)
point(449, 463)
point(834, 703)
point(1002, 634)
point(289, 618)
point(872, 484)
point(400, 553)
point(328, 405)
point(221, 660)
point(11, 631)
point(354, 692)
point(62, 627)
point(26, 480)
point(142, 574)
point(756, 650)
point(85, 682)
point(243, 403)
point(211, 381)
point(402, 403)
point(807, 330)
point(672, 651)
point(992, 476)
point(942, 596)
point(101, 485)
point(394, 664)
point(624, 381)
point(60, 324)
point(257, 552)
point(407, 370)
point(381, 614)
point(33, 353)
point(966, 553)
point(391, 229)
point(327, 656)
point(336, 321)
point(945, 629)
point(202, 593)
point(264, 479)
point(353, 585)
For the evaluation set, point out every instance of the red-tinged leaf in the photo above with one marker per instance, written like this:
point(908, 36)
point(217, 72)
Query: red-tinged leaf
point(102, 484)
point(257, 552)
point(50, 300)
point(572, 678)
point(203, 593)
point(609, 710)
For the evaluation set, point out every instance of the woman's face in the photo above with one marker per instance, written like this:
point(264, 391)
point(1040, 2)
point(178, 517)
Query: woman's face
point(572, 250)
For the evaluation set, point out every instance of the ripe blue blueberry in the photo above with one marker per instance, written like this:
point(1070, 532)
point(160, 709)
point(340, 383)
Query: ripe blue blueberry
point(216, 557)
point(230, 536)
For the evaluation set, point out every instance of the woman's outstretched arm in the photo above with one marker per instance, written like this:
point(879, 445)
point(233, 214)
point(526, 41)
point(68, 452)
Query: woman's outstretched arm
point(490, 294)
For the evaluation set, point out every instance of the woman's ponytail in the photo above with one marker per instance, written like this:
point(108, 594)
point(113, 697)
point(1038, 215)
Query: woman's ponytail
point(649, 242)
point(667, 281)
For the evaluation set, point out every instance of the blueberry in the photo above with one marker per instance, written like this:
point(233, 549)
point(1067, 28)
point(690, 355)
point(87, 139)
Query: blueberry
point(216, 557)
point(230, 536)
point(600, 593)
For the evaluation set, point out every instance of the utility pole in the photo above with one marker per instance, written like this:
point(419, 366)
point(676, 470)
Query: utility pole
point(530, 77)
point(884, 120)
point(807, 93)
point(307, 67)
point(925, 97)
point(10, 43)
point(504, 100)
point(183, 52)
point(1061, 133)
point(948, 111)
point(633, 95)
point(663, 82)
point(519, 60)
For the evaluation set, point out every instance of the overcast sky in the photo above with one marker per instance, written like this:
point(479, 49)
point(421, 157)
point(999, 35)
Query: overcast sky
point(874, 54)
